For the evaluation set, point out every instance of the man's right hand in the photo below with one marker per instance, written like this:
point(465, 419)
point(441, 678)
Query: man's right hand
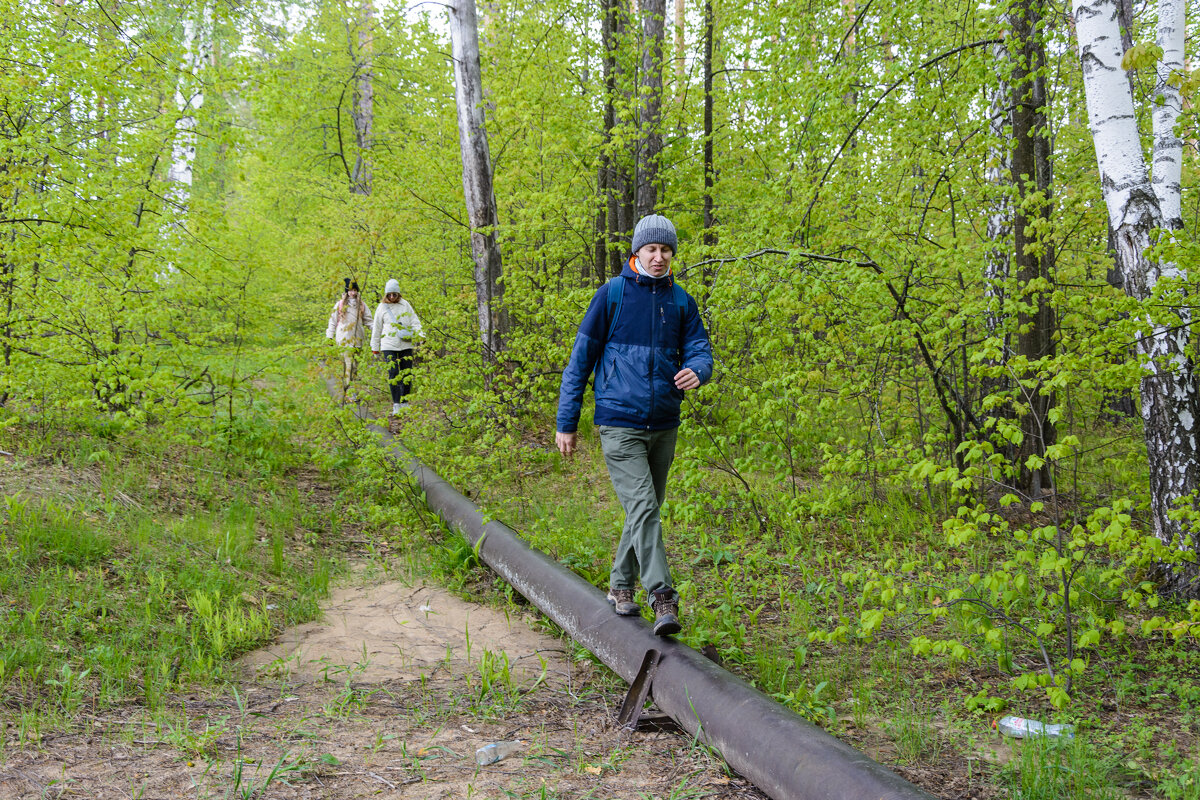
point(566, 442)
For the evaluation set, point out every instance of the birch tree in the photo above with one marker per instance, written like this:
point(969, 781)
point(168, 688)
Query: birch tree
point(477, 177)
point(1139, 205)
point(100, 162)
point(363, 110)
point(189, 96)
point(999, 223)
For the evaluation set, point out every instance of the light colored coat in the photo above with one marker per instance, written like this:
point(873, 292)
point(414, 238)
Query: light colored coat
point(396, 326)
point(350, 329)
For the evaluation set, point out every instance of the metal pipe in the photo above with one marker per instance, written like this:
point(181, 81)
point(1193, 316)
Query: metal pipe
point(779, 751)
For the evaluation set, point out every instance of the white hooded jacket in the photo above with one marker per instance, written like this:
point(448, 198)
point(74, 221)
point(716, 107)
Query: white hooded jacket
point(350, 329)
point(395, 324)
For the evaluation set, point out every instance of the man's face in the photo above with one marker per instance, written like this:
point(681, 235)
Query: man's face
point(655, 259)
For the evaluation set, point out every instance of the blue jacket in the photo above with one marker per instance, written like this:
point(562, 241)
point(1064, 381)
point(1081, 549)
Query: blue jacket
point(635, 380)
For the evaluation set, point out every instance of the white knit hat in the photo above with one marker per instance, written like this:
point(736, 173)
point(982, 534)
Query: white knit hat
point(392, 285)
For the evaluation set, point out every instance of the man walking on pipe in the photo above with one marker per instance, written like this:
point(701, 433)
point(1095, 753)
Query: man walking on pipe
point(643, 337)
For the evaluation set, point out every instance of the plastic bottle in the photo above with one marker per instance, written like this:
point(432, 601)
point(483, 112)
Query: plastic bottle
point(491, 753)
point(1021, 728)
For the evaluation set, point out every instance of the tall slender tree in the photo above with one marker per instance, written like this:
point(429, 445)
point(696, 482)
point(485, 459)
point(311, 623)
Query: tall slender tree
point(189, 96)
point(1033, 253)
point(650, 142)
point(680, 49)
point(614, 183)
point(710, 221)
point(477, 178)
point(999, 176)
point(363, 110)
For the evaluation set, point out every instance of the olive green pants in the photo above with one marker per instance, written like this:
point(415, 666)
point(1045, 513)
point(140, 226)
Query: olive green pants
point(638, 463)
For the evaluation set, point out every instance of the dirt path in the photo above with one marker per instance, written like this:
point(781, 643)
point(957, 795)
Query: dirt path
point(388, 697)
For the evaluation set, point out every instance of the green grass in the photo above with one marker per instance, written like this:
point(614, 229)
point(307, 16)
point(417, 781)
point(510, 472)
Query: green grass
point(1058, 769)
point(114, 592)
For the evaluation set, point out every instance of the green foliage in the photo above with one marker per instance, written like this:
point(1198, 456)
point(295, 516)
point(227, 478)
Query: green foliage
point(854, 485)
point(105, 305)
point(1143, 55)
point(108, 598)
point(1051, 582)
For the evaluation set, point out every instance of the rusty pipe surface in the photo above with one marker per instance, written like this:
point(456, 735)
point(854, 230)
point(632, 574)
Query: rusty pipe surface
point(779, 751)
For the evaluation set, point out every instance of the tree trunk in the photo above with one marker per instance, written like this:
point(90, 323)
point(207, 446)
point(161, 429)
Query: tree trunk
point(997, 268)
point(189, 96)
point(1169, 400)
point(364, 100)
point(612, 216)
point(8, 286)
point(999, 174)
point(1033, 256)
point(1167, 167)
point(1118, 406)
point(680, 51)
point(710, 236)
point(477, 178)
point(650, 123)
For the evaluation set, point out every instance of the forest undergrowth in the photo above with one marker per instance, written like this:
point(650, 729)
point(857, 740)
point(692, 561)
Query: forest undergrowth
point(138, 568)
point(866, 609)
point(136, 564)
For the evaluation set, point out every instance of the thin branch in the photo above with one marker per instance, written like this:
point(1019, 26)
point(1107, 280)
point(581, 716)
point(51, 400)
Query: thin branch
point(854, 130)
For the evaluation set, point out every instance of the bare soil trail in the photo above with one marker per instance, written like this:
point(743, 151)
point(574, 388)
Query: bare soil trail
point(387, 697)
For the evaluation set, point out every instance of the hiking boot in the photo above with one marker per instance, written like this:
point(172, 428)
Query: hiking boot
point(622, 602)
point(666, 613)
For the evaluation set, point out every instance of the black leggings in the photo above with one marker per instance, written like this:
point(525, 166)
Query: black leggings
point(400, 364)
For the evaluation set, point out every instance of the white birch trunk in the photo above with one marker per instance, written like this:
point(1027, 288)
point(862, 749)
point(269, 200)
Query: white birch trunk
point(1168, 391)
point(188, 99)
point(999, 225)
point(1168, 147)
point(364, 102)
point(477, 177)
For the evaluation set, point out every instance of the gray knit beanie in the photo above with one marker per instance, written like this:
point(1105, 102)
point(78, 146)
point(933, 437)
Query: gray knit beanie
point(654, 229)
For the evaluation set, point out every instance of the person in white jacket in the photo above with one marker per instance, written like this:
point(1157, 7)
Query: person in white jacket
point(395, 328)
point(347, 328)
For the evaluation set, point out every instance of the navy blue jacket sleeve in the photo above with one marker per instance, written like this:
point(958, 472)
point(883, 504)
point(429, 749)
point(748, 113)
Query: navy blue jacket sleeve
point(589, 344)
point(697, 351)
